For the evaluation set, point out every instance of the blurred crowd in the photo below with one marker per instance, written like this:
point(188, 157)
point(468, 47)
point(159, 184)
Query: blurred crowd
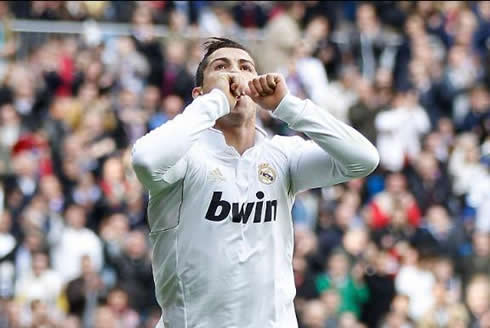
point(408, 246)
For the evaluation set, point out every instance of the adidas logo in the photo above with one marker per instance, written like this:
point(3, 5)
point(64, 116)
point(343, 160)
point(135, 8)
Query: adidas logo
point(216, 175)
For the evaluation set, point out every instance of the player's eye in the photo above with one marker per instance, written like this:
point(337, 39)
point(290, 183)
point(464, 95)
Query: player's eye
point(220, 67)
point(247, 68)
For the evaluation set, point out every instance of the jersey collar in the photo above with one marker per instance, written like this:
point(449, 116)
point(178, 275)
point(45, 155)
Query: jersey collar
point(215, 137)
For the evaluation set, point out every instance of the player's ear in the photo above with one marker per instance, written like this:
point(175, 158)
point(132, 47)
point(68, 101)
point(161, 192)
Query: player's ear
point(196, 92)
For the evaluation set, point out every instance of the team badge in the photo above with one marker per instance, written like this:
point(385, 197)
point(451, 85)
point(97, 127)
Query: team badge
point(267, 174)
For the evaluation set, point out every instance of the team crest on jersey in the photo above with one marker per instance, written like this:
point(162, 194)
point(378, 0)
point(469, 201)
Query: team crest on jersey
point(267, 174)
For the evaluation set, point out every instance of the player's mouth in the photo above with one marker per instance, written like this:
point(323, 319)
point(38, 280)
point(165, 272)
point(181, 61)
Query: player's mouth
point(240, 101)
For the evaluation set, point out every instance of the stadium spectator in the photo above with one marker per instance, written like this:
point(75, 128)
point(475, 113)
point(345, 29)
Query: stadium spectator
point(41, 283)
point(117, 301)
point(429, 182)
point(379, 267)
point(74, 242)
point(400, 129)
point(477, 299)
point(395, 198)
point(414, 279)
point(104, 318)
point(364, 112)
point(133, 268)
point(83, 292)
point(372, 46)
point(478, 261)
point(283, 34)
point(351, 288)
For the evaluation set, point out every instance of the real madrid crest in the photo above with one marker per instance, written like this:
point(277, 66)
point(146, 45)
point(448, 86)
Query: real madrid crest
point(267, 174)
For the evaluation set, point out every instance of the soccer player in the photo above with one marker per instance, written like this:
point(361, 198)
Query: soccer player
point(221, 193)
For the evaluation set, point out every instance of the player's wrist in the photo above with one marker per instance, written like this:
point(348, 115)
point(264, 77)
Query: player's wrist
point(281, 99)
point(289, 109)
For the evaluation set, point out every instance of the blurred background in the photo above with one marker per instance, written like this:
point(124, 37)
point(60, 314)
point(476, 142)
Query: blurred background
point(80, 81)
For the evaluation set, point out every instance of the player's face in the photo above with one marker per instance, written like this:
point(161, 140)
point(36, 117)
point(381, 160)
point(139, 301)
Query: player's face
point(236, 61)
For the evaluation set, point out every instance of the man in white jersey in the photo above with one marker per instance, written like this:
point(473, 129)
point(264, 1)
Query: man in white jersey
point(221, 193)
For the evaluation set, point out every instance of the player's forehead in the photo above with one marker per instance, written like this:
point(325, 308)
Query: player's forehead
point(232, 54)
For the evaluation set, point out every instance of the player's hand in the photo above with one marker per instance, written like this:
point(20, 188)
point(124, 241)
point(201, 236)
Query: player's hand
point(233, 85)
point(268, 90)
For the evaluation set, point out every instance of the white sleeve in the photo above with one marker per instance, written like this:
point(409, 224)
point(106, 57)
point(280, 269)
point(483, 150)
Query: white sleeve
point(338, 153)
point(158, 158)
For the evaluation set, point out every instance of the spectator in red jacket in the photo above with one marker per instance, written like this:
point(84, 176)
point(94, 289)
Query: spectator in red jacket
point(395, 196)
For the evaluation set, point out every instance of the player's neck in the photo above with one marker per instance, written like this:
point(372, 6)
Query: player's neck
point(240, 137)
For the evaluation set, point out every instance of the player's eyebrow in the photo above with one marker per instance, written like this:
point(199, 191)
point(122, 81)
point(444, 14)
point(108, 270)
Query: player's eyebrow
point(246, 61)
point(227, 60)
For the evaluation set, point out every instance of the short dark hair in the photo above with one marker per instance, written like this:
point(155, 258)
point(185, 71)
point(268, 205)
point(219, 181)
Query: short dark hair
point(210, 46)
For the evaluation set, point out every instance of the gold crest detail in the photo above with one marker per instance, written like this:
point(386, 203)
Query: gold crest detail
point(267, 174)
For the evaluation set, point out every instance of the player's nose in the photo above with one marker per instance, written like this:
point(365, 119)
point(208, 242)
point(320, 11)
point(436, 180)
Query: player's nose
point(235, 68)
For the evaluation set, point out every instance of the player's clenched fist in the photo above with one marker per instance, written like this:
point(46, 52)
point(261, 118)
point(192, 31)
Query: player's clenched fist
point(267, 90)
point(233, 85)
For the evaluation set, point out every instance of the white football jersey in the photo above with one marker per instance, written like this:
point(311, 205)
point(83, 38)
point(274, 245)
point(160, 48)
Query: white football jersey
point(221, 226)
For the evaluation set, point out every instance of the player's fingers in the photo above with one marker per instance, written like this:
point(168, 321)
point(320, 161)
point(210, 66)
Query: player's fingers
point(242, 88)
point(252, 91)
point(271, 81)
point(234, 89)
point(265, 86)
point(234, 84)
point(279, 79)
point(258, 87)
